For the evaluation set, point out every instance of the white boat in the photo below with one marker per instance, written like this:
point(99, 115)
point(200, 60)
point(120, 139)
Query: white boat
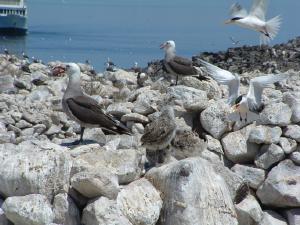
point(13, 17)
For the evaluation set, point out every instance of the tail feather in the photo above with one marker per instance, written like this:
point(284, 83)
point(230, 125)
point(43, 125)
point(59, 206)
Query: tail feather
point(272, 28)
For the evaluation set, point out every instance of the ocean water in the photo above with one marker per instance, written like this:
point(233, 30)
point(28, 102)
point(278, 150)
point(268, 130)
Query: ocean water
point(132, 30)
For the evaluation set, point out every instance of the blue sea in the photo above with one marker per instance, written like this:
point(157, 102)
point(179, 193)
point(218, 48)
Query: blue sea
point(132, 30)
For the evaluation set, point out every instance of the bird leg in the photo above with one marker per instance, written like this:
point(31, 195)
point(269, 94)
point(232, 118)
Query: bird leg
point(81, 137)
point(241, 119)
point(246, 118)
point(176, 79)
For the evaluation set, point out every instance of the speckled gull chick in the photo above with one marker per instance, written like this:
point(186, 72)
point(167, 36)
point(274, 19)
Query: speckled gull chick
point(84, 109)
point(255, 20)
point(243, 104)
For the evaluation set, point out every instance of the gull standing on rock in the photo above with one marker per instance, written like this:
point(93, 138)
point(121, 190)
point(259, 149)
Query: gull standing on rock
point(255, 20)
point(159, 133)
point(245, 105)
point(178, 65)
point(84, 109)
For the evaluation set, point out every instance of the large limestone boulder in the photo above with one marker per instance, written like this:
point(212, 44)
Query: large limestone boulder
point(39, 167)
point(282, 186)
point(292, 100)
point(272, 218)
point(237, 148)
point(140, 202)
point(33, 209)
point(278, 114)
point(265, 135)
point(293, 132)
point(214, 119)
point(145, 102)
point(103, 211)
point(209, 203)
point(125, 163)
point(65, 211)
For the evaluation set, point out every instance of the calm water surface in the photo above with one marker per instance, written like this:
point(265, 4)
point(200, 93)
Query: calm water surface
point(132, 30)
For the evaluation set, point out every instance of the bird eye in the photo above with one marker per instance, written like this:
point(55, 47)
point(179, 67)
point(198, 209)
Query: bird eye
point(68, 66)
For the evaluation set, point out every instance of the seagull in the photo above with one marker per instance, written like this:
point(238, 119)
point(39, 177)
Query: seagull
point(243, 104)
point(178, 65)
point(110, 66)
point(25, 56)
point(160, 132)
point(234, 42)
point(83, 108)
point(255, 20)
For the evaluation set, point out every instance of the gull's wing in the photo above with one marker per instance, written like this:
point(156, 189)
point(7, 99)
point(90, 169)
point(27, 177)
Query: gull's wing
point(257, 85)
point(223, 77)
point(259, 9)
point(236, 10)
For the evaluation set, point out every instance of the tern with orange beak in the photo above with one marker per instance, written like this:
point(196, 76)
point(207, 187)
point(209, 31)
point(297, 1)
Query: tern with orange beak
point(84, 109)
point(177, 65)
point(255, 20)
point(243, 104)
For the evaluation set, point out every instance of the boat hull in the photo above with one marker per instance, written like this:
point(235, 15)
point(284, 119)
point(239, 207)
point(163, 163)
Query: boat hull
point(13, 25)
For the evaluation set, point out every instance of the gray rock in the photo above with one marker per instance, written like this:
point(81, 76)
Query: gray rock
point(7, 137)
point(177, 182)
point(122, 75)
point(253, 176)
point(3, 218)
point(272, 218)
point(96, 184)
point(39, 167)
point(125, 163)
point(31, 209)
point(140, 202)
point(288, 145)
point(39, 78)
point(265, 135)
point(214, 119)
point(214, 145)
point(54, 129)
point(278, 114)
point(23, 82)
point(40, 93)
point(65, 211)
point(249, 211)
point(295, 157)
point(120, 109)
point(282, 186)
point(135, 117)
point(268, 156)
point(105, 212)
point(22, 124)
point(293, 132)
point(146, 101)
point(7, 84)
point(292, 100)
point(293, 216)
point(237, 148)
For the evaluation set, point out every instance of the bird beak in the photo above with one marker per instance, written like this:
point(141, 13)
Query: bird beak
point(162, 46)
point(228, 21)
point(58, 70)
point(235, 107)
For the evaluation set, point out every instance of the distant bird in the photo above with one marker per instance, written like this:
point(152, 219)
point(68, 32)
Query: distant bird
point(110, 66)
point(25, 56)
point(233, 41)
point(178, 65)
point(84, 109)
point(6, 52)
point(255, 20)
point(243, 104)
point(159, 133)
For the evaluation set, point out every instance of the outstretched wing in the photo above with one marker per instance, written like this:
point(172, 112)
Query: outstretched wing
point(259, 9)
point(224, 77)
point(236, 10)
point(257, 85)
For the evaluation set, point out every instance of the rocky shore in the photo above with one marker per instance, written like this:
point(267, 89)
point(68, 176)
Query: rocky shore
point(219, 172)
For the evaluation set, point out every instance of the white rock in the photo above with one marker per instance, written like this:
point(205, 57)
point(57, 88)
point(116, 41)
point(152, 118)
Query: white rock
point(276, 114)
point(39, 167)
point(292, 100)
point(65, 211)
point(122, 75)
point(282, 186)
point(135, 117)
point(214, 119)
point(3, 218)
point(295, 157)
point(140, 202)
point(7, 84)
point(293, 216)
point(96, 184)
point(265, 135)
point(177, 182)
point(272, 218)
point(125, 163)
point(268, 156)
point(249, 211)
point(293, 132)
point(103, 211)
point(32, 209)
point(288, 145)
point(237, 148)
point(253, 176)
point(119, 109)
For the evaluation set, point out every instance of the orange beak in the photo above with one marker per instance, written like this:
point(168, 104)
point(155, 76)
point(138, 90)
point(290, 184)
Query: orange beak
point(235, 107)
